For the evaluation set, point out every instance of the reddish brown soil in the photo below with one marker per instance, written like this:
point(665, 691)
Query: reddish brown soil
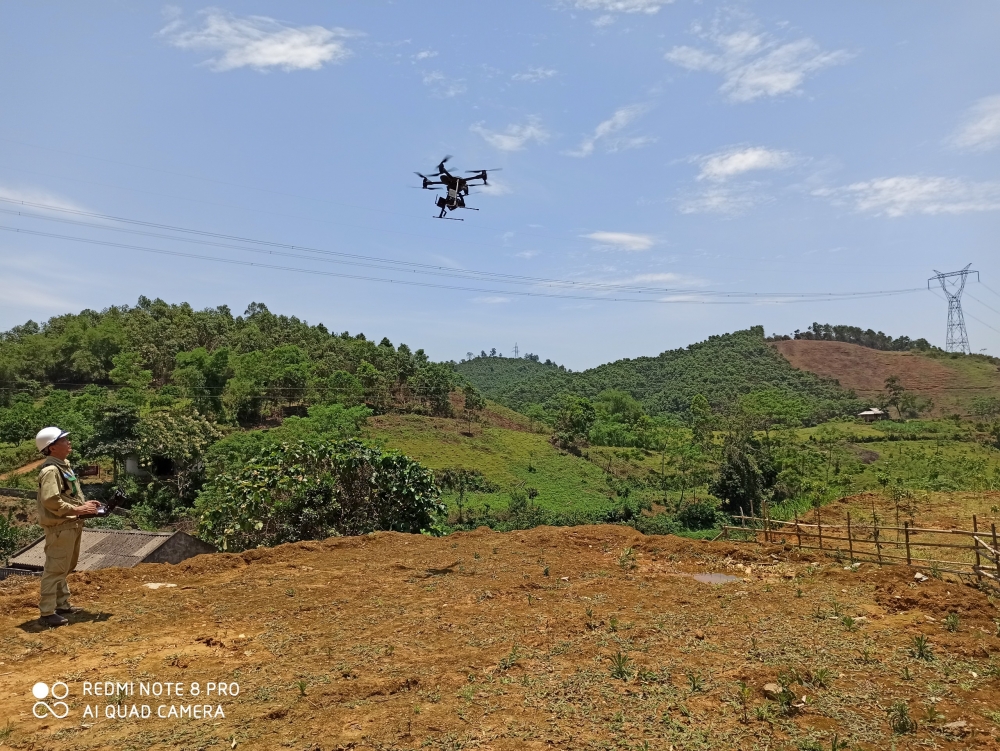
point(864, 370)
point(22, 470)
point(506, 641)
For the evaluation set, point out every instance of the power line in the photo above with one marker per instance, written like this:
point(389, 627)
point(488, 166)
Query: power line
point(391, 264)
point(982, 303)
point(978, 320)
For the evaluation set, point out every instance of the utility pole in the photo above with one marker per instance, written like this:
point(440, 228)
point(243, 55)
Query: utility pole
point(515, 350)
point(953, 283)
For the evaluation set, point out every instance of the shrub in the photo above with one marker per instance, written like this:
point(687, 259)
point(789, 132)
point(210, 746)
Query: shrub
point(697, 515)
point(313, 490)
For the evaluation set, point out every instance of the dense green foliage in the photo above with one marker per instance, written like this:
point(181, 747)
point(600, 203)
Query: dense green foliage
point(856, 335)
point(313, 490)
point(721, 369)
point(237, 369)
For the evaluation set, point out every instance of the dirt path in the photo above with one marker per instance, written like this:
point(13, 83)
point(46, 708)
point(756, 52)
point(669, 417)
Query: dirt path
point(22, 470)
point(553, 638)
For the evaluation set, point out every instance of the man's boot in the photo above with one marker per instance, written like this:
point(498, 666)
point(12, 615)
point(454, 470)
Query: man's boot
point(53, 620)
point(68, 609)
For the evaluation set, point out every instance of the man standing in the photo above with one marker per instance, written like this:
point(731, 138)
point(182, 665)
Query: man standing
point(60, 506)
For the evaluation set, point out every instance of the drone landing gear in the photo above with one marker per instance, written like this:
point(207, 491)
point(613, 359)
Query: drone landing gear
point(449, 217)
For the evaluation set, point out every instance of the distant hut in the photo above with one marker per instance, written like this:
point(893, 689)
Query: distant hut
point(872, 414)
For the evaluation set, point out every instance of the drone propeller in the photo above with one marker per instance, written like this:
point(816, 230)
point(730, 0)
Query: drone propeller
point(478, 171)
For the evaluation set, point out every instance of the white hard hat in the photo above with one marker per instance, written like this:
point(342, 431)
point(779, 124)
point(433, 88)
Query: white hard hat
point(47, 436)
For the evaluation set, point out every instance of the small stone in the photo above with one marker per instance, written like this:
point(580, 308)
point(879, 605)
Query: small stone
point(919, 577)
point(158, 585)
point(772, 690)
point(699, 634)
point(564, 578)
point(958, 727)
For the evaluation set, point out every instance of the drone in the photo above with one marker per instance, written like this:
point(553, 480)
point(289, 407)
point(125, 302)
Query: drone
point(457, 188)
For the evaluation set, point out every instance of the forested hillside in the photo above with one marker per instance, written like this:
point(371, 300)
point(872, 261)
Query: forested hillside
point(721, 369)
point(233, 369)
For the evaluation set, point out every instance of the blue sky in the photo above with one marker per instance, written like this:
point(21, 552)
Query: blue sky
point(735, 160)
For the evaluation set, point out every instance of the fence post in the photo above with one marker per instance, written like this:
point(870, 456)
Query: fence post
point(996, 550)
point(850, 540)
point(798, 532)
point(906, 533)
point(819, 528)
point(878, 547)
point(975, 543)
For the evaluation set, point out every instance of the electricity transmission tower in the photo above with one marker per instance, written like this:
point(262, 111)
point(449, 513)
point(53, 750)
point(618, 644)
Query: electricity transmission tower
point(953, 283)
point(516, 350)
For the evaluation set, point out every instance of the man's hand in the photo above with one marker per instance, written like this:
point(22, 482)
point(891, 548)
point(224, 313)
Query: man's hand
point(88, 508)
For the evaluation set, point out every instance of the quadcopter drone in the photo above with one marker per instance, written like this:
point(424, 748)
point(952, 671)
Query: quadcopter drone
point(457, 188)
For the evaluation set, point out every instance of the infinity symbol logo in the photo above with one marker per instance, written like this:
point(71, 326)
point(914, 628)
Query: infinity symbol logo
point(46, 709)
point(42, 691)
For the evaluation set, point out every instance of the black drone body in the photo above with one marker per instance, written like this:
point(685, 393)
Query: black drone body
point(456, 187)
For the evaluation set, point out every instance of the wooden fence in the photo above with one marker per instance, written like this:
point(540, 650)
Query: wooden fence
point(974, 553)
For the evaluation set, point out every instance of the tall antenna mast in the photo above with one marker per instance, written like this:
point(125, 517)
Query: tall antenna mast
point(953, 284)
point(515, 350)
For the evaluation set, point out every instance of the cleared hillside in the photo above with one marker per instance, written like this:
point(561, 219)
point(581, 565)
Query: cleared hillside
point(951, 381)
point(492, 641)
point(720, 368)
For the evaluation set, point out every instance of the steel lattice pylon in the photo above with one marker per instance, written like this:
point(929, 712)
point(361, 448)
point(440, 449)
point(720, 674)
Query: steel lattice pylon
point(953, 283)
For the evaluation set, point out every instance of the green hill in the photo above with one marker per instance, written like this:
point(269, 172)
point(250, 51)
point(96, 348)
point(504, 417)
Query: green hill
point(721, 368)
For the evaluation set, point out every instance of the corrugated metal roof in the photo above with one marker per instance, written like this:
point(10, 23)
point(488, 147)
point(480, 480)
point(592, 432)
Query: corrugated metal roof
point(99, 548)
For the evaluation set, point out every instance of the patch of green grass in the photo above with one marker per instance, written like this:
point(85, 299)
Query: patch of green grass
point(564, 482)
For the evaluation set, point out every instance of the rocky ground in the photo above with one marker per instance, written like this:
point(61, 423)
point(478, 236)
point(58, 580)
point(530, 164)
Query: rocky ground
point(569, 638)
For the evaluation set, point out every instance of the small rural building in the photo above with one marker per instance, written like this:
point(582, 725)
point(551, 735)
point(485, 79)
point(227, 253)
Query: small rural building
point(872, 414)
point(111, 548)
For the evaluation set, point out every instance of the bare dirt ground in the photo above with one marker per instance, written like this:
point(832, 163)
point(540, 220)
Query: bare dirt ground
point(22, 470)
point(864, 370)
point(568, 638)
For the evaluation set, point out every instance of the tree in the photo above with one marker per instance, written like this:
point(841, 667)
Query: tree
point(701, 420)
point(535, 414)
point(474, 403)
point(894, 391)
point(313, 490)
point(116, 433)
point(432, 383)
point(745, 475)
point(574, 420)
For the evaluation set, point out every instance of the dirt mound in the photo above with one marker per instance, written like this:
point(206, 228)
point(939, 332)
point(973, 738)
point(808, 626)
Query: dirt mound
point(584, 637)
point(864, 370)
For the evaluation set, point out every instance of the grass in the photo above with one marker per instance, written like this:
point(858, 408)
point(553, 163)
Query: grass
point(564, 482)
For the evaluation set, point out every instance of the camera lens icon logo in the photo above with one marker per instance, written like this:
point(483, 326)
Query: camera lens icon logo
point(58, 709)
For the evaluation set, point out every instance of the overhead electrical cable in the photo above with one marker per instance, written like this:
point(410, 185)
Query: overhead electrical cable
point(437, 270)
point(968, 294)
point(969, 315)
point(687, 297)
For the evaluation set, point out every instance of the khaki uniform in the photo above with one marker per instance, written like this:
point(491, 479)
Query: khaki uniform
point(58, 496)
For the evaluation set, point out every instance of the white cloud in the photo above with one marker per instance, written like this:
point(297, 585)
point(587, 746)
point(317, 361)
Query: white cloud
point(36, 196)
point(738, 160)
point(622, 6)
point(527, 254)
point(601, 21)
point(622, 240)
point(258, 42)
point(494, 188)
point(754, 64)
point(491, 300)
point(981, 129)
point(425, 55)
point(513, 137)
point(723, 199)
point(534, 75)
point(443, 86)
point(619, 120)
point(912, 194)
